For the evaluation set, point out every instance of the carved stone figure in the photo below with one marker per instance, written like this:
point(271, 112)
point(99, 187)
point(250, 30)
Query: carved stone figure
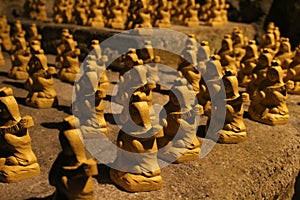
point(62, 11)
point(115, 19)
point(163, 18)
point(205, 45)
point(248, 63)
point(17, 29)
point(146, 54)
point(180, 143)
point(205, 10)
point(69, 60)
point(143, 19)
point(96, 18)
point(98, 62)
point(40, 83)
point(268, 42)
point(80, 13)
point(35, 9)
point(293, 74)
point(284, 55)
point(61, 47)
point(137, 153)
point(20, 57)
point(41, 10)
point(259, 73)
point(29, 9)
point(216, 17)
point(226, 54)
point(269, 100)
point(17, 160)
point(71, 172)
point(238, 46)
point(191, 17)
point(5, 34)
point(234, 130)
point(33, 33)
point(208, 88)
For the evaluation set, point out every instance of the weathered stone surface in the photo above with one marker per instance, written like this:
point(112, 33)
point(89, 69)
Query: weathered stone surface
point(249, 10)
point(286, 15)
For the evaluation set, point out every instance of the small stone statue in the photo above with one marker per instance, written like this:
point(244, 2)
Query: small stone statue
point(20, 57)
point(96, 18)
point(17, 29)
point(234, 130)
point(284, 55)
point(29, 9)
point(205, 10)
point(238, 46)
point(226, 54)
point(98, 62)
point(71, 172)
point(41, 10)
point(248, 63)
point(143, 19)
point(205, 45)
point(210, 87)
point(80, 13)
point(269, 100)
point(35, 9)
point(293, 74)
point(5, 34)
point(268, 42)
point(40, 83)
point(188, 68)
point(17, 160)
point(259, 73)
point(216, 14)
point(179, 9)
point(115, 18)
point(163, 18)
point(62, 12)
point(224, 7)
point(137, 153)
point(129, 60)
point(179, 142)
point(69, 60)
point(33, 33)
point(146, 54)
point(61, 47)
point(191, 17)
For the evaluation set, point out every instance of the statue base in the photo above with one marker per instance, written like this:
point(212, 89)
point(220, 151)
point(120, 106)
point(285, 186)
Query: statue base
point(189, 155)
point(67, 77)
point(42, 103)
point(215, 23)
point(135, 182)
point(96, 24)
point(19, 75)
point(192, 24)
point(269, 118)
point(10, 174)
point(178, 154)
point(230, 137)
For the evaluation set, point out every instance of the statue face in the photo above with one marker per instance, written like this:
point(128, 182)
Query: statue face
point(273, 76)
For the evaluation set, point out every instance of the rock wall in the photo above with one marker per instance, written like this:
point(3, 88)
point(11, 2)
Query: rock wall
point(286, 15)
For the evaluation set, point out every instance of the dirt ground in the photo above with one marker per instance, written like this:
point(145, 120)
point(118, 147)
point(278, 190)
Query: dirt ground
point(263, 167)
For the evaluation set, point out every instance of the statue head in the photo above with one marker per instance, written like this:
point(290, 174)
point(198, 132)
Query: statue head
point(9, 109)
